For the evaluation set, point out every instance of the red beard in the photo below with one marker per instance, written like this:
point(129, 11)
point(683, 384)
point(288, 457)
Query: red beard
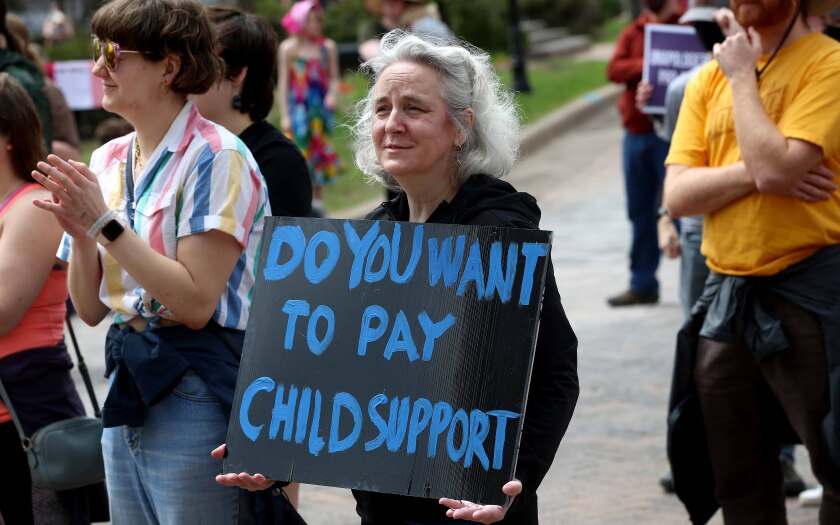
point(763, 13)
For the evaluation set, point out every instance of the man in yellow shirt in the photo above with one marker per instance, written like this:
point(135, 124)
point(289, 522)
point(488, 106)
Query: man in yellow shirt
point(756, 149)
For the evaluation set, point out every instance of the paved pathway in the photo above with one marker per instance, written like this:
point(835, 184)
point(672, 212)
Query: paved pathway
point(607, 468)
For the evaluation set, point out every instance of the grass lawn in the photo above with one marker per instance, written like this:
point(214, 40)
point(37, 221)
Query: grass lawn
point(350, 189)
point(612, 28)
point(556, 82)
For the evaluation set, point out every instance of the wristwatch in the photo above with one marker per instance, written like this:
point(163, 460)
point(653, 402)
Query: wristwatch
point(112, 230)
point(663, 212)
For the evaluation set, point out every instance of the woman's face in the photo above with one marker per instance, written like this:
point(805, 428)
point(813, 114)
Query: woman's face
point(412, 132)
point(392, 10)
point(673, 7)
point(314, 23)
point(134, 87)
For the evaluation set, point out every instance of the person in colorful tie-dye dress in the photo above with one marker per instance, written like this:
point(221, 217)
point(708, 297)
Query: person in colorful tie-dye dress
point(308, 88)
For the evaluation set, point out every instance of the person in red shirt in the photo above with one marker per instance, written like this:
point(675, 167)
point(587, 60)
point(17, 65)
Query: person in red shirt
point(643, 156)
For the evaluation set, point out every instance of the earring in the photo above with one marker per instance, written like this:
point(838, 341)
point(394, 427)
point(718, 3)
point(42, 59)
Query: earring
point(237, 102)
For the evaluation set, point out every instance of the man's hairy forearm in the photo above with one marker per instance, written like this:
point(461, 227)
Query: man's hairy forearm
point(694, 191)
point(766, 152)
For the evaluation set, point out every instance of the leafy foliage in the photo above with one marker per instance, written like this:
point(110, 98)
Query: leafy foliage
point(483, 23)
point(77, 47)
point(344, 20)
point(579, 16)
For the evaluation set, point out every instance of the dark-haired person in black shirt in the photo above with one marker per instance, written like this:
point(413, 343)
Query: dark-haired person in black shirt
point(242, 100)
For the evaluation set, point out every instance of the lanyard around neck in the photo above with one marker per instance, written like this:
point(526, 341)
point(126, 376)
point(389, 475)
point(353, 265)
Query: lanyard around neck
point(151, 172)
point(129, 187)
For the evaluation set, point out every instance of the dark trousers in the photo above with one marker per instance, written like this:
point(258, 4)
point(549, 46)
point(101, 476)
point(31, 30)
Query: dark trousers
point(740, 399)
point(16, 497)
point(42, 391)
point(644, 171)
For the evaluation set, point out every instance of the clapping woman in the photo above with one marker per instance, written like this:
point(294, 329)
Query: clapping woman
point(162, 231)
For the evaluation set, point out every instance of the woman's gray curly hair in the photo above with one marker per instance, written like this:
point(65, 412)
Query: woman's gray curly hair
point(467, 80)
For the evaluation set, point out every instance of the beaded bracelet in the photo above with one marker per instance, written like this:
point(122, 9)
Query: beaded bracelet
point(96, 228)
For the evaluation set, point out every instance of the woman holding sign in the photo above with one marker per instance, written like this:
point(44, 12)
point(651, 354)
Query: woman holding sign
point(438, 125)
point(139, 224)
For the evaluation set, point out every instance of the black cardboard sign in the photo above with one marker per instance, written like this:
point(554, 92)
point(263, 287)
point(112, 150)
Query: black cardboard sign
point(390, 357)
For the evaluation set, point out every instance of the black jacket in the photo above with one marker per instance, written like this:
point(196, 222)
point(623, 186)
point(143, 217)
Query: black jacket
point(283, 167)
point(553, 391)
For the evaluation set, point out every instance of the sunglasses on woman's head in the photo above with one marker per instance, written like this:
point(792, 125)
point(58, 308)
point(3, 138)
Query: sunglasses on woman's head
point(110, 50)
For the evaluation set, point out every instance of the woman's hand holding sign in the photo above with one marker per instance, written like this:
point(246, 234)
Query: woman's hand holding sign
point(242, 480)
point(467, 510)
point(458, 508)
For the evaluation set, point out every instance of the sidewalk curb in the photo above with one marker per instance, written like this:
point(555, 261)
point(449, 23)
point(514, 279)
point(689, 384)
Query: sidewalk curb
point(534, 137)
point(567, 117)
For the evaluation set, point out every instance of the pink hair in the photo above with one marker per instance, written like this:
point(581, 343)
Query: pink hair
point(294, 21)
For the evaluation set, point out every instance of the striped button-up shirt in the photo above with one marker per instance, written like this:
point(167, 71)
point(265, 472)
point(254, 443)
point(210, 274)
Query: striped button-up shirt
point(201, 177)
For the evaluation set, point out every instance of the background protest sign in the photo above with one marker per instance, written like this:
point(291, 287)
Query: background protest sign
point(392, 357)
point(76, 81)
point(669, 51)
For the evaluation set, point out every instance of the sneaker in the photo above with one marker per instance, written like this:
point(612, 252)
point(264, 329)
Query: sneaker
point(631, 297)
point(811, 497)
point(793, 483)
point(666, 481)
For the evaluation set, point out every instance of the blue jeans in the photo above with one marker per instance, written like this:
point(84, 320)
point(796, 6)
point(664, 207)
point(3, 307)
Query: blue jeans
point(162, 472)
point(644, 171)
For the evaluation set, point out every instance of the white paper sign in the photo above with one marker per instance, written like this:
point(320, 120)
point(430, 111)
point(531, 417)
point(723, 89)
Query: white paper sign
point(76, 81)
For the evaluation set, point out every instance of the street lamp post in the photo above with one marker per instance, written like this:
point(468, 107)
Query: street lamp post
point(520, 79)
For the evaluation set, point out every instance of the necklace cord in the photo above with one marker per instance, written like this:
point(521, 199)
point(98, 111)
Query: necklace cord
point(796, 16)
point(138, 158)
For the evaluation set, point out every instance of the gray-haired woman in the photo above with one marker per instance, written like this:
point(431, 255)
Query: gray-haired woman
point(438, 125)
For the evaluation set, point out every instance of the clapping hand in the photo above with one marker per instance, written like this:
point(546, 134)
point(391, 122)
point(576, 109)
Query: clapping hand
point(77, 199)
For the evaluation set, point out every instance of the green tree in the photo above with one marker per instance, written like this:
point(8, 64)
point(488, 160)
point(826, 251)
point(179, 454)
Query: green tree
point(634, 7)
point(579, 16)
point(488, 30)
